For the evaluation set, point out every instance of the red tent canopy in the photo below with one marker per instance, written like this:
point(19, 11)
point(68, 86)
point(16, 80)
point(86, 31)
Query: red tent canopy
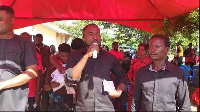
point(141, 14)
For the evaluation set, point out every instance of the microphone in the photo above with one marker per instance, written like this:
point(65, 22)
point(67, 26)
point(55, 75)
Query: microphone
point(94, 54)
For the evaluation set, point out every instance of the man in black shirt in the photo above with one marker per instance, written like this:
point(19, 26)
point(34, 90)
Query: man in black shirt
point(160, 85)
point(18, 64)
point(90, 73)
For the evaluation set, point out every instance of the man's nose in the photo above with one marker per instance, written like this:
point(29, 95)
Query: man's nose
point(95, 37)
point(152, 49)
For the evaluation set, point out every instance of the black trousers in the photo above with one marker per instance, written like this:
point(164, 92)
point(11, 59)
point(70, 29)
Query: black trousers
point(120, 103)
point(44, 101)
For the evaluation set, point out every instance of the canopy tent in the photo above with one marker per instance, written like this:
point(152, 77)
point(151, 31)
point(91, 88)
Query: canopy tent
point(141, 14)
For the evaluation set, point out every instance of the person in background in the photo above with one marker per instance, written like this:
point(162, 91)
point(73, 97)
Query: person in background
point(77, 44)
point(44, 52)
point(105, 47)
point(60, 99)
point(52, 49)
point(116, 52)
point(18, 64)
point(179, 54)
point(189, 55)
point(126, 62)
point(120, 103)
point(26, 36)
point(34, 84)
point(160, 85)
point(137, 63)
point(92, 74)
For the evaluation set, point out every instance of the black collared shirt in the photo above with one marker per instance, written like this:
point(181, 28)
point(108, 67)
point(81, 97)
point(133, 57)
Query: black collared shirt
point(164, 90)
point(16, 54)
point(90, 93)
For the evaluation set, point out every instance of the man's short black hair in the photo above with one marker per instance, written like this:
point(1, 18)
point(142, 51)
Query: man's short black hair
point(64, 48)
point(88, 26)
point(39, 35)
point(8, 9)
point(77, 44)
point(52, 45)
point(114, 43)
point(163, 37)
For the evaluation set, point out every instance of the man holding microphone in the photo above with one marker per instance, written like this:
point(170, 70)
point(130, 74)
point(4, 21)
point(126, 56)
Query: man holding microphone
point(94, 82)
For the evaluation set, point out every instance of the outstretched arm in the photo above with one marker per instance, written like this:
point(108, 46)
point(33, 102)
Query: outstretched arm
point(23, 78)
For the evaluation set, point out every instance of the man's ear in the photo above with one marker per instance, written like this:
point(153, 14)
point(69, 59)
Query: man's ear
point(167, 50)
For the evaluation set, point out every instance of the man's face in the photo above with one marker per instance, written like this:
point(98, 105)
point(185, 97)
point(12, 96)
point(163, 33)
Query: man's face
point(157, 49)
point(6, 22)
point(38, 40)
point(190, 45)
point(91, 35)
point(26, 36)
point(63, 56)
point(127, 59)
point(141, 51)
point(116, 46)
point(52, 48)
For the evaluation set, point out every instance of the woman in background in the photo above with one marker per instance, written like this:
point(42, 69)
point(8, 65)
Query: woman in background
point(137, 63)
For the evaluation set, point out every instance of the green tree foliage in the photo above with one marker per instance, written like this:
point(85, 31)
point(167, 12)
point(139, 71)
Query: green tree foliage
point(184, 28)
point(130, 36)
point(75, 28)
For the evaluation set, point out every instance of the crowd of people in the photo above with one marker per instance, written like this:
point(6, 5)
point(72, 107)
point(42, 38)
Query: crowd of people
point(34, 77)
point(189, 55)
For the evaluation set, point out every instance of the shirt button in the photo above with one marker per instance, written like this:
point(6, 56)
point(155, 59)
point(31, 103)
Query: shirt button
point(95, 68)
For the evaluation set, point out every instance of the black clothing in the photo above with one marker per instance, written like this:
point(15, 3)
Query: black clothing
point(90, 93)
point(163, 90)
point(16, 54)
point(44, 52)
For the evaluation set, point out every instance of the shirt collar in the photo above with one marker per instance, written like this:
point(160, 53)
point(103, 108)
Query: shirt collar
point(164, 67)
